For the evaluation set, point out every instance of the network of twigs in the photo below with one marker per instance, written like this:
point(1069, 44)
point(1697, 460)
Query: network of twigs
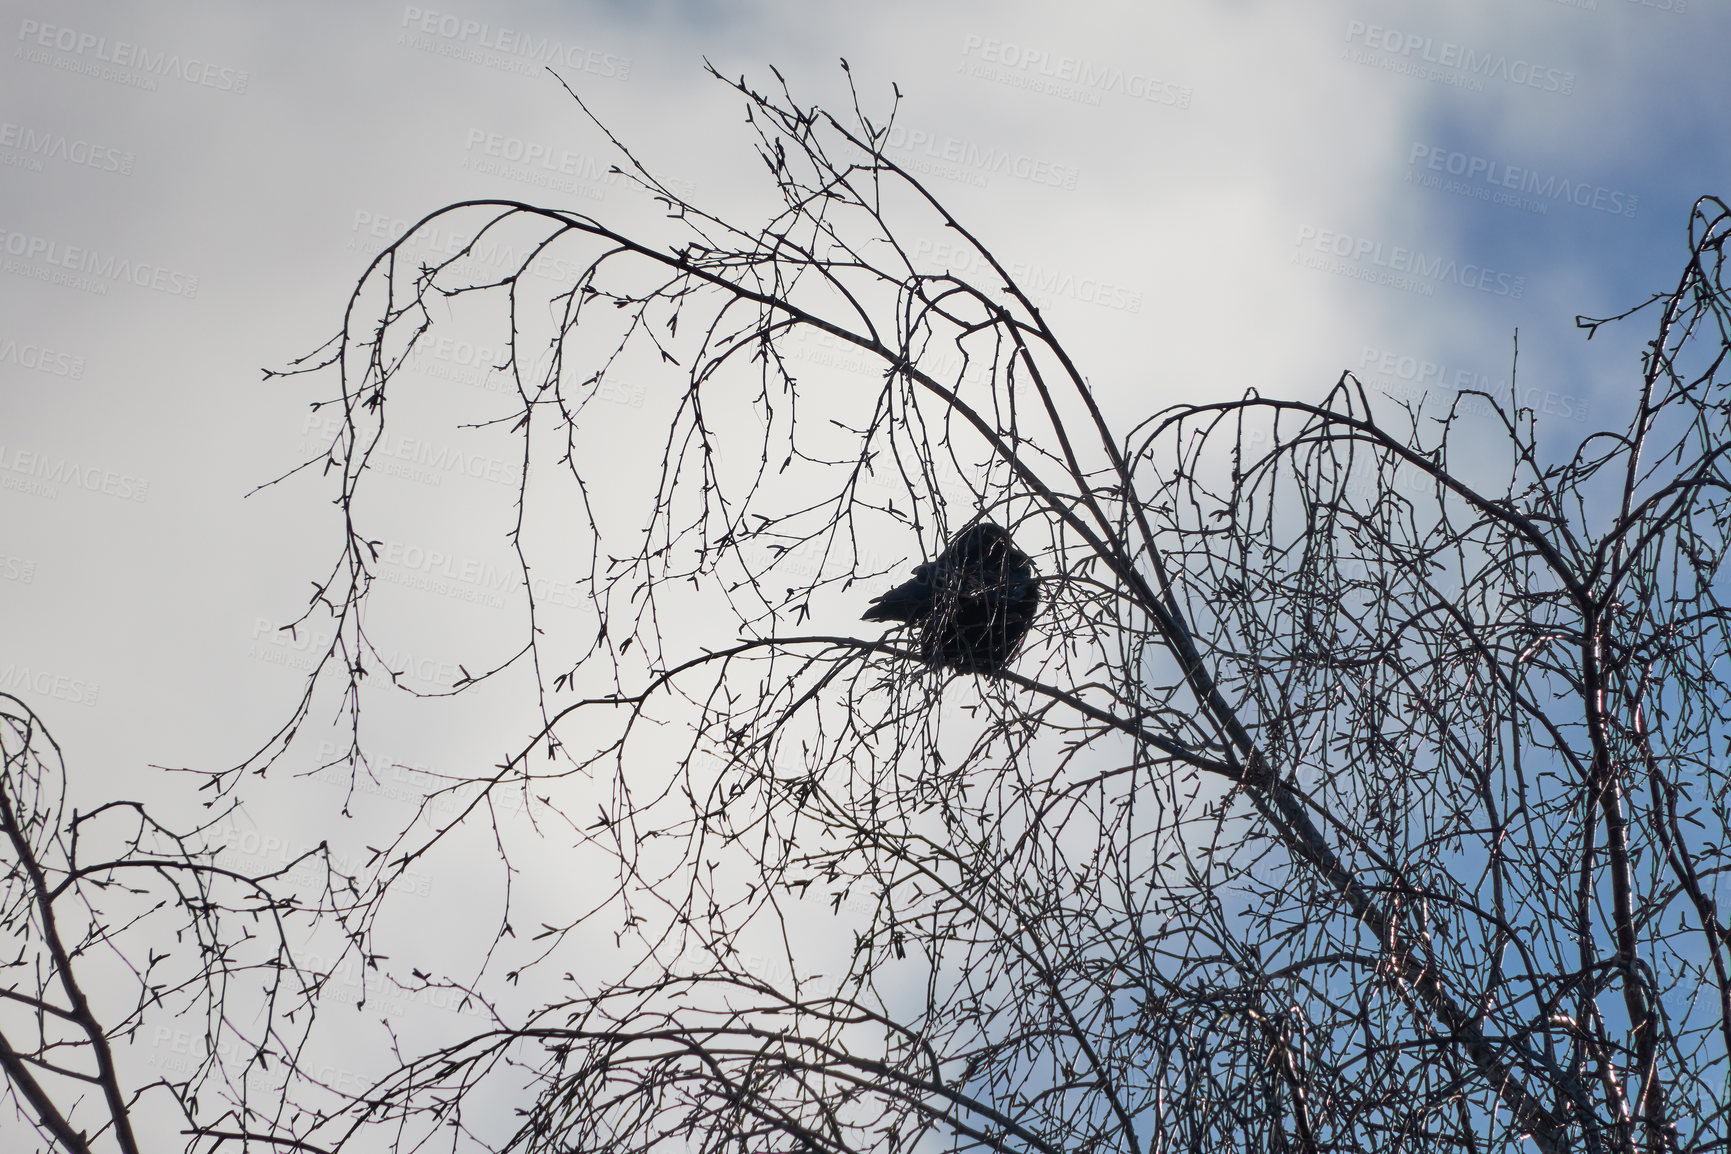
point(1356, 789)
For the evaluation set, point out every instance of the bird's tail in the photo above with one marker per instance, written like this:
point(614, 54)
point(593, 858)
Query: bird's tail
point(907, 602)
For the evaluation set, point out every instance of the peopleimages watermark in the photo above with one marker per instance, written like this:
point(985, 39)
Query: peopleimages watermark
point(27, 354)
point(538, 163)
point(1446, 62)
point(179, 1053)
point(1072, 78)
point(429, 462)
point(1411, 377)
point(374, 231)
point(87, 269)
point(954, 158)
point(415, 458)
point(437, 571)
point(369, 227)
point(466, 363)
point(120, 61)
point(410, 784)
point(40, 474)
point(1398, 267)
point(1045, 285)
point(507, 49)
point(811, 346)
point(16, 677)
point(252, 850)
point(27, 147)
point(19, 569)
point(304, 650)
point(1517, 186)
point(1042, 282)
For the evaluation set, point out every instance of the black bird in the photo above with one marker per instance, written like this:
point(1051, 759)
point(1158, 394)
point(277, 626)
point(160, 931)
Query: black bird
point(973, 605)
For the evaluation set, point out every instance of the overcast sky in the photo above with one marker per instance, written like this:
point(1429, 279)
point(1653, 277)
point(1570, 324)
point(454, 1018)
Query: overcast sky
point(1205, 196)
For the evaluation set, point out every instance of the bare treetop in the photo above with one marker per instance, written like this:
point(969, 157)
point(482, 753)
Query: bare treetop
point(1358, 784)
point(1338, 798)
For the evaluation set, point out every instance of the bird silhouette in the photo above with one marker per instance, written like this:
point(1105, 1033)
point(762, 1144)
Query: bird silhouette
point(972, 605)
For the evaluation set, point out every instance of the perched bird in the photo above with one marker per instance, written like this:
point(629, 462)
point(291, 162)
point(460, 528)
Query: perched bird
point(973, 605)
